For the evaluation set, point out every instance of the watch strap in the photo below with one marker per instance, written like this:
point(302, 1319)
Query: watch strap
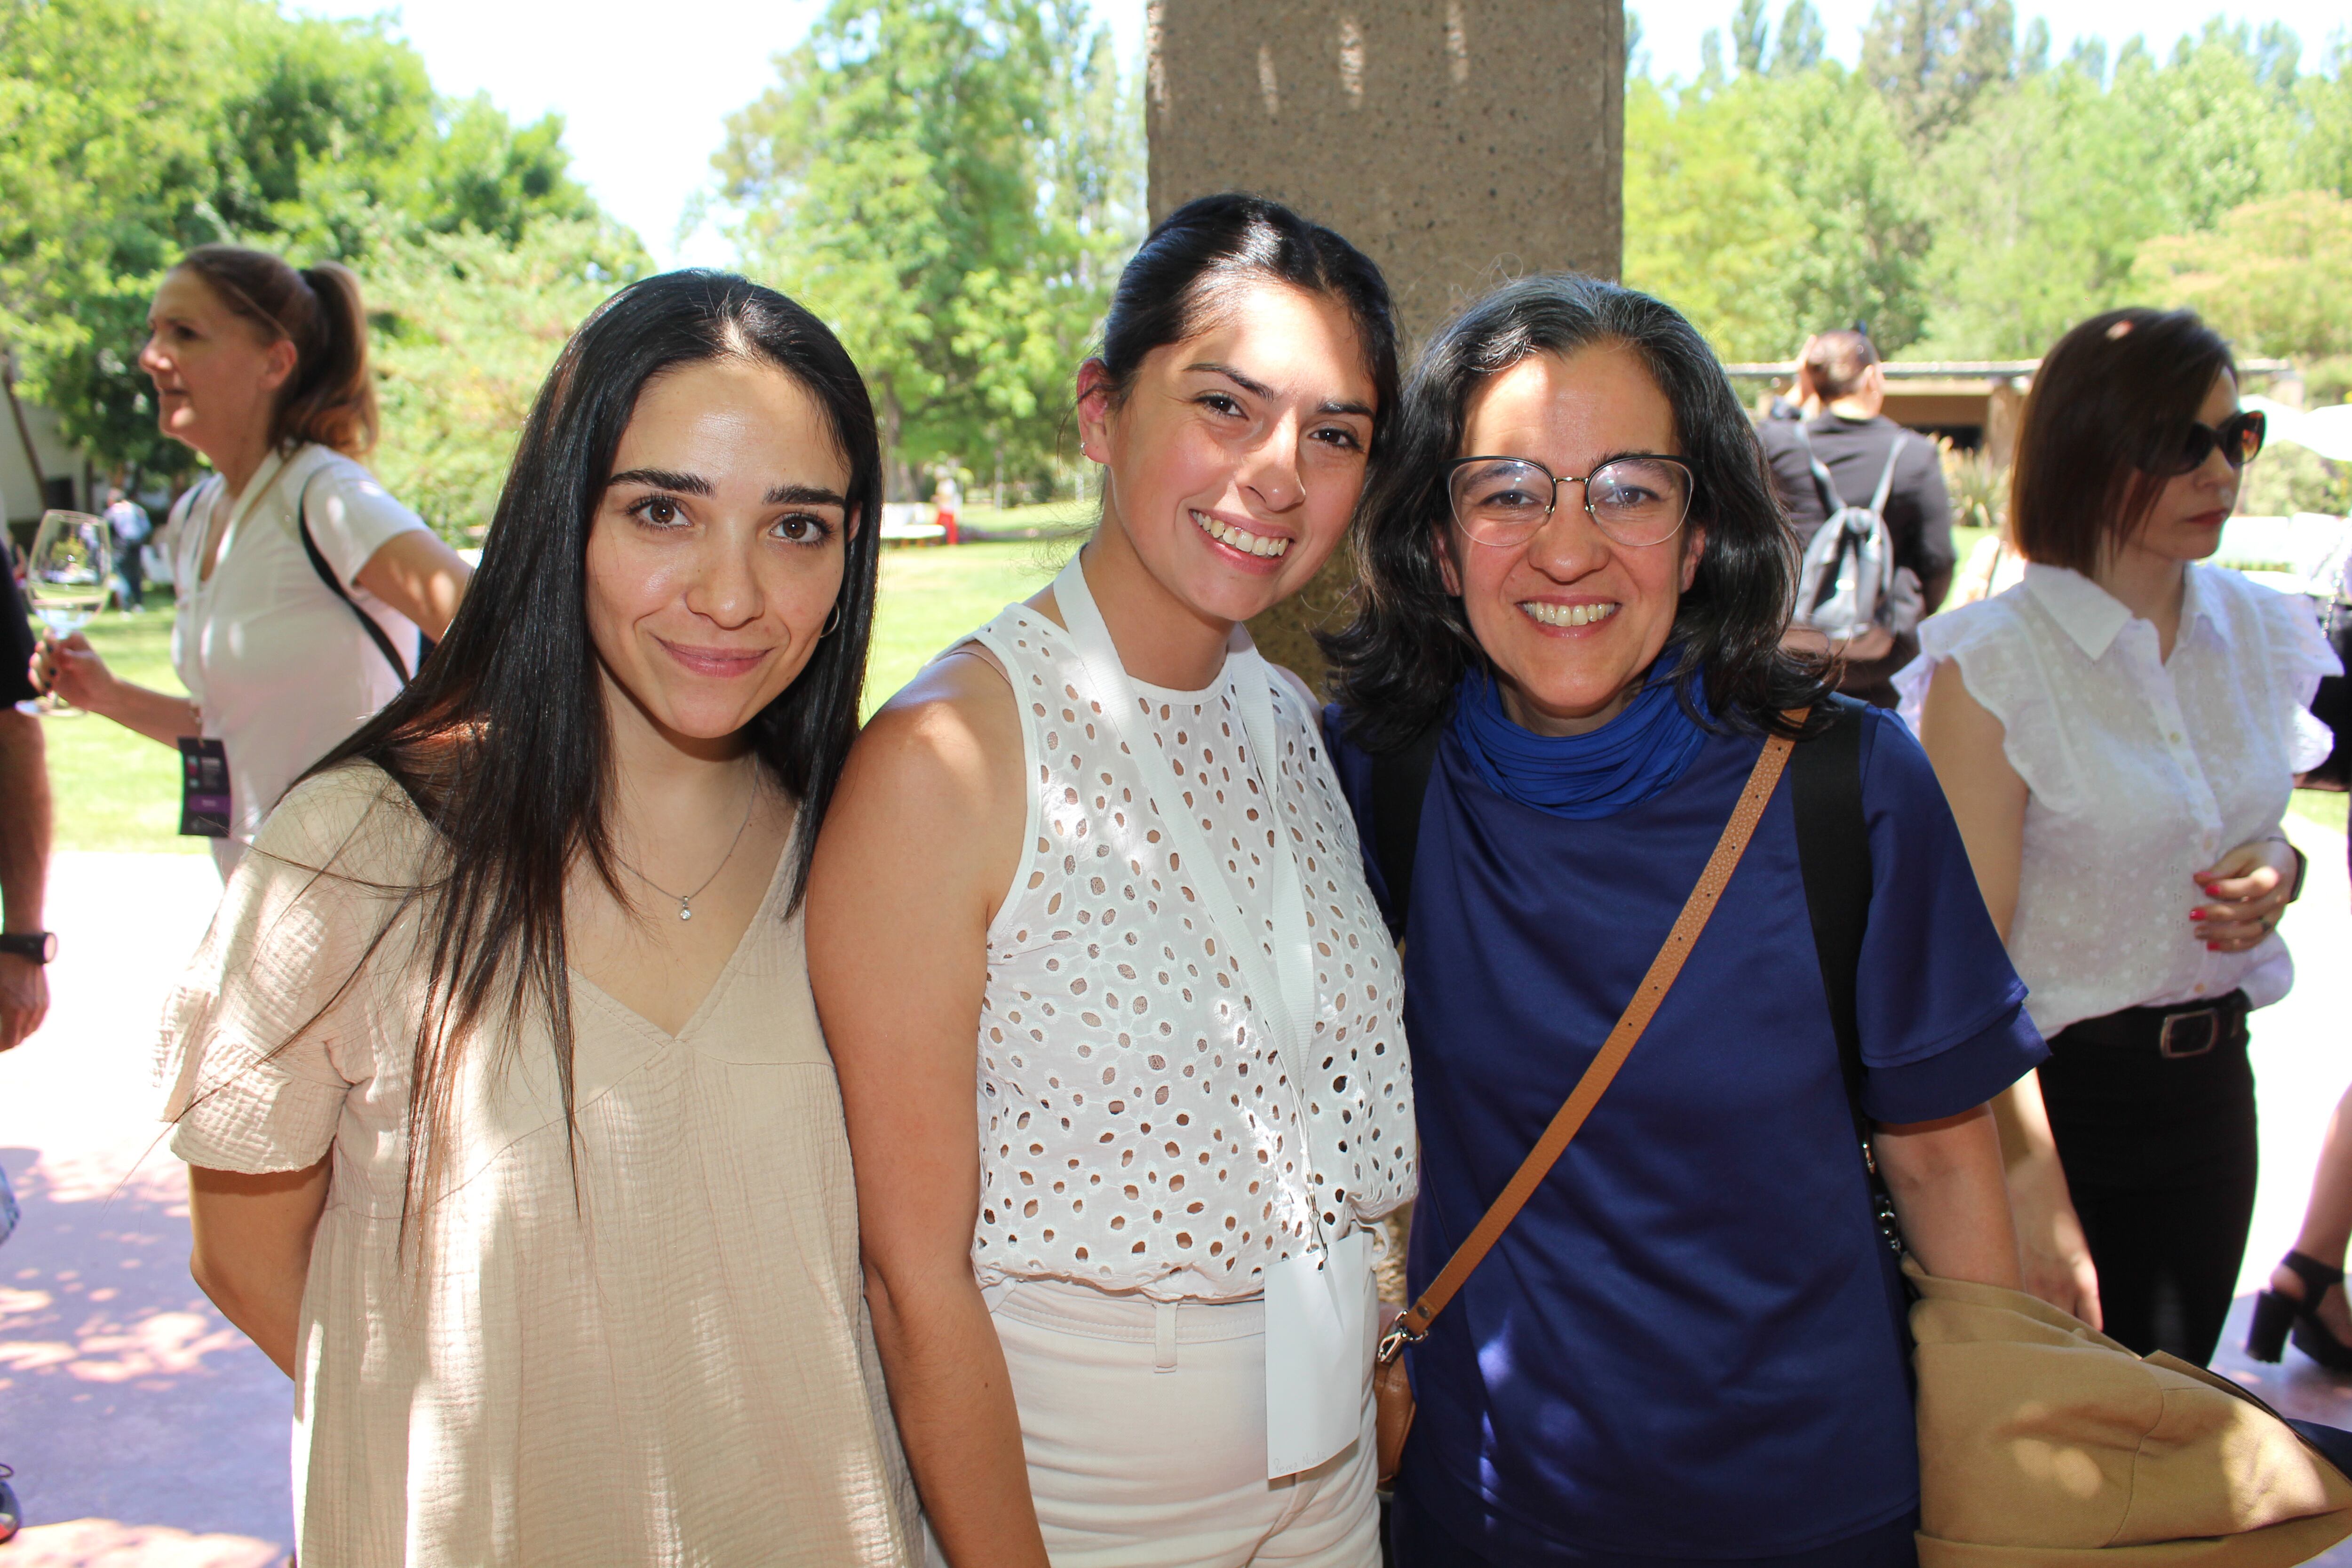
point(40, 946)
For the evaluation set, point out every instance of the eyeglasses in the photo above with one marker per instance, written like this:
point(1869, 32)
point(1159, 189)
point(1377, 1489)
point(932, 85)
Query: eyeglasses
point(2240, 440)
point(1636, 500)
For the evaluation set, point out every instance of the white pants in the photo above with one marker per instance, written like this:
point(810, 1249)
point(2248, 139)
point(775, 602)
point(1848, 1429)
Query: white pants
point(1144, 1423)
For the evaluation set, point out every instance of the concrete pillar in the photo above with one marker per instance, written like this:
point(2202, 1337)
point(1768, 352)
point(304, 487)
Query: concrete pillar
point(1459, 142)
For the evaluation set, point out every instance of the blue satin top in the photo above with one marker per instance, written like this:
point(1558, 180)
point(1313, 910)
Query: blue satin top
point(1690, 1343)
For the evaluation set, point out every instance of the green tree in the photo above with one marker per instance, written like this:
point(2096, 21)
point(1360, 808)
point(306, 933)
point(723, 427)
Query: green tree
point(1751, 32)
point(1803, 41)
point(465, 327)
point(2274, 276)
point(131, 130)
point(1770, 207)
point(2040, 203)
point(2042, 198)
point(1708, 224)
point(2323, 158)
point(1930, 59)
point(945, 182)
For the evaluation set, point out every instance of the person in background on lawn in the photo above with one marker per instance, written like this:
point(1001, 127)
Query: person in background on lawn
point(946, 501)
point(284, 646)
point(513, 1137)
point(131, 525)
point(25, 946)
point(2119, 739)
point(1192, 1089)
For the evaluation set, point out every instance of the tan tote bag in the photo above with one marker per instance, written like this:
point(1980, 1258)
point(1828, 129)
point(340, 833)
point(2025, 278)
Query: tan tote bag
point(2044, 1444)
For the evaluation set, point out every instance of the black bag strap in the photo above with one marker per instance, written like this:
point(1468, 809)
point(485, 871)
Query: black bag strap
point(376, 633)
point(1833, 852)
point(1834, 855)
point(1400, 784)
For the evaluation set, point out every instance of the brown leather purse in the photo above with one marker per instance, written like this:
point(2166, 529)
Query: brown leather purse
point(1391, 1386)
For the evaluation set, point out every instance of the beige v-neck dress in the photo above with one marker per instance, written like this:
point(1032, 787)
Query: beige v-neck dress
point(650, 1348)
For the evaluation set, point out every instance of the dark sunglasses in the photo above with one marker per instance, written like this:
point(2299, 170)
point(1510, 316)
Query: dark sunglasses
point(2239, 439)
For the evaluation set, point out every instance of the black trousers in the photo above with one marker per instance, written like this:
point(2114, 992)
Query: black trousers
point(2160, 1157)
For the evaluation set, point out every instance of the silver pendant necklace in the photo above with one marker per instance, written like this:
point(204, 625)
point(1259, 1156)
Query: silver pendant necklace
point(686, 901)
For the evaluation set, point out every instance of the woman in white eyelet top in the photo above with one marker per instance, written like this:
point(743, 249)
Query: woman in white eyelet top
point(1116, 1022)
point(1138, 1128)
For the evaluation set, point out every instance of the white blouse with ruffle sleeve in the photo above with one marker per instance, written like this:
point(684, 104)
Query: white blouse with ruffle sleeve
point(2141, 772)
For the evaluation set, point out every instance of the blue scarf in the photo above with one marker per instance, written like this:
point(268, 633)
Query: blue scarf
point(1635, 757)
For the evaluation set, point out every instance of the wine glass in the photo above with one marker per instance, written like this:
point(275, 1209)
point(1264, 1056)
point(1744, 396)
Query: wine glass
point(66, 580)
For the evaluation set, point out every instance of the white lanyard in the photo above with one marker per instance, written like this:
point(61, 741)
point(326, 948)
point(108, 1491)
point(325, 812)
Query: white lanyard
point(1318, 1344)
point(1283, 990)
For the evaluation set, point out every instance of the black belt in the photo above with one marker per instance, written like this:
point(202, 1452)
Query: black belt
point(2188, 1029)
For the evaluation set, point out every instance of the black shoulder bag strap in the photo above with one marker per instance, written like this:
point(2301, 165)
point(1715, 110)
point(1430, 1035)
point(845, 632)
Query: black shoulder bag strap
point(1400, 783)
point(376, 633)
point(1833, 854)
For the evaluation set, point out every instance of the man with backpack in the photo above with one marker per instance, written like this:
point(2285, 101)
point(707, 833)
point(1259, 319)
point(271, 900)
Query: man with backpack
point(1867, 585)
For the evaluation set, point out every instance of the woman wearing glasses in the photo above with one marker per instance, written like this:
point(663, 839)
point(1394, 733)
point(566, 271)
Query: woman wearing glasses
point(2119, 741)
point(1689, 1343)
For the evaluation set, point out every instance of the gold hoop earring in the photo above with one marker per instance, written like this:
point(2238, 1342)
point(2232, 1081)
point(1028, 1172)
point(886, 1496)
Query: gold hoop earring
point(832, 622)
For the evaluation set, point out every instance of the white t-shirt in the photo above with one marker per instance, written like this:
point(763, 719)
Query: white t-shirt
point(280, 669)
point(2140, 771)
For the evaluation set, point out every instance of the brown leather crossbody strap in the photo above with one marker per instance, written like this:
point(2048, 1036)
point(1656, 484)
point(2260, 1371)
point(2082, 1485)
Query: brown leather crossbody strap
point(1614, 1051)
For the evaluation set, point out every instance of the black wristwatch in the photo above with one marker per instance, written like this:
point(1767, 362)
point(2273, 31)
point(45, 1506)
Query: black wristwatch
point(40, 946)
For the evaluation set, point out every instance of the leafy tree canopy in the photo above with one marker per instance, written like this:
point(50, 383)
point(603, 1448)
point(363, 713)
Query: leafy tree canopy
point(133, 130)
point(1969, 197)
point(952, 185)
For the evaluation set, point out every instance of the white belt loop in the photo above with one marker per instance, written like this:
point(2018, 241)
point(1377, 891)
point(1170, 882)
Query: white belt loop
point(1163, 1336)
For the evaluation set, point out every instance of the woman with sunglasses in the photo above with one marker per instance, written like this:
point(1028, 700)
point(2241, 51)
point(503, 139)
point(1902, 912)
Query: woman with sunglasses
point(2118, 738)
point(1689, 1343)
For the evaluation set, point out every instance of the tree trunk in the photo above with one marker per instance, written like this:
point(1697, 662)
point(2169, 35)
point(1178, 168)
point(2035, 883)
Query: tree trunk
point(23, 433)
point(896, 483)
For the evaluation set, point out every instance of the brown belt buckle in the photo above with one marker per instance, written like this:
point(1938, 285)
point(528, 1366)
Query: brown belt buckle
point(2209, 1017)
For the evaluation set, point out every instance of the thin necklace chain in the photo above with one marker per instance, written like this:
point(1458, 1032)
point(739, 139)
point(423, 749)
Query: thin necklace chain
point(686, 901)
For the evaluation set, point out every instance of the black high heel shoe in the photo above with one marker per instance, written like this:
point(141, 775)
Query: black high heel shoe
point(2274, 1312)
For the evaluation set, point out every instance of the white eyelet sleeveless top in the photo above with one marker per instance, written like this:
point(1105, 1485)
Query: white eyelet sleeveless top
point(1138, 1129)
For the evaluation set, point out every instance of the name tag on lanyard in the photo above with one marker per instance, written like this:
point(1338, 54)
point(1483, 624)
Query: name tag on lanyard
point(1318, 1344)
point(204, 806)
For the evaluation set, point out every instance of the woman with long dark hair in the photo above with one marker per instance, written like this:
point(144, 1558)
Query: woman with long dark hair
point(1116, 1020)
point(2119, 736)
point(1689, 1343)
point(301, 585)
point(512, 1135)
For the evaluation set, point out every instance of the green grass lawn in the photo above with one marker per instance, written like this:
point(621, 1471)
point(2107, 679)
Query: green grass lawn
point(115, 790)
point(930, 595)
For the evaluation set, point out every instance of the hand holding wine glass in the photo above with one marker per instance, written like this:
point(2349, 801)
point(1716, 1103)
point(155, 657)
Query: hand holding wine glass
point(65, 583)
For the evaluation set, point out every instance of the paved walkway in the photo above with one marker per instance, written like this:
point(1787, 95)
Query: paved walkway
point(146, 1433)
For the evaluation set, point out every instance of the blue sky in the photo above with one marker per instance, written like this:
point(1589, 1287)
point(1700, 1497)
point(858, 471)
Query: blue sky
point(644, 98)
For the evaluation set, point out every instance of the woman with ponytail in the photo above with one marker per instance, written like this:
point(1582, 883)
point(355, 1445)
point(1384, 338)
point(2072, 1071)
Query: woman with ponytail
point(302, 585)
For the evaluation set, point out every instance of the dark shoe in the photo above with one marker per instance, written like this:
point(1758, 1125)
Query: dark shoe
point(12, 1516)
point(2276, 1312)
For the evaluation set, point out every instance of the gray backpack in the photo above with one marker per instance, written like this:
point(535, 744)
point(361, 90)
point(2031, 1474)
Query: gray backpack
point(1849, 582)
